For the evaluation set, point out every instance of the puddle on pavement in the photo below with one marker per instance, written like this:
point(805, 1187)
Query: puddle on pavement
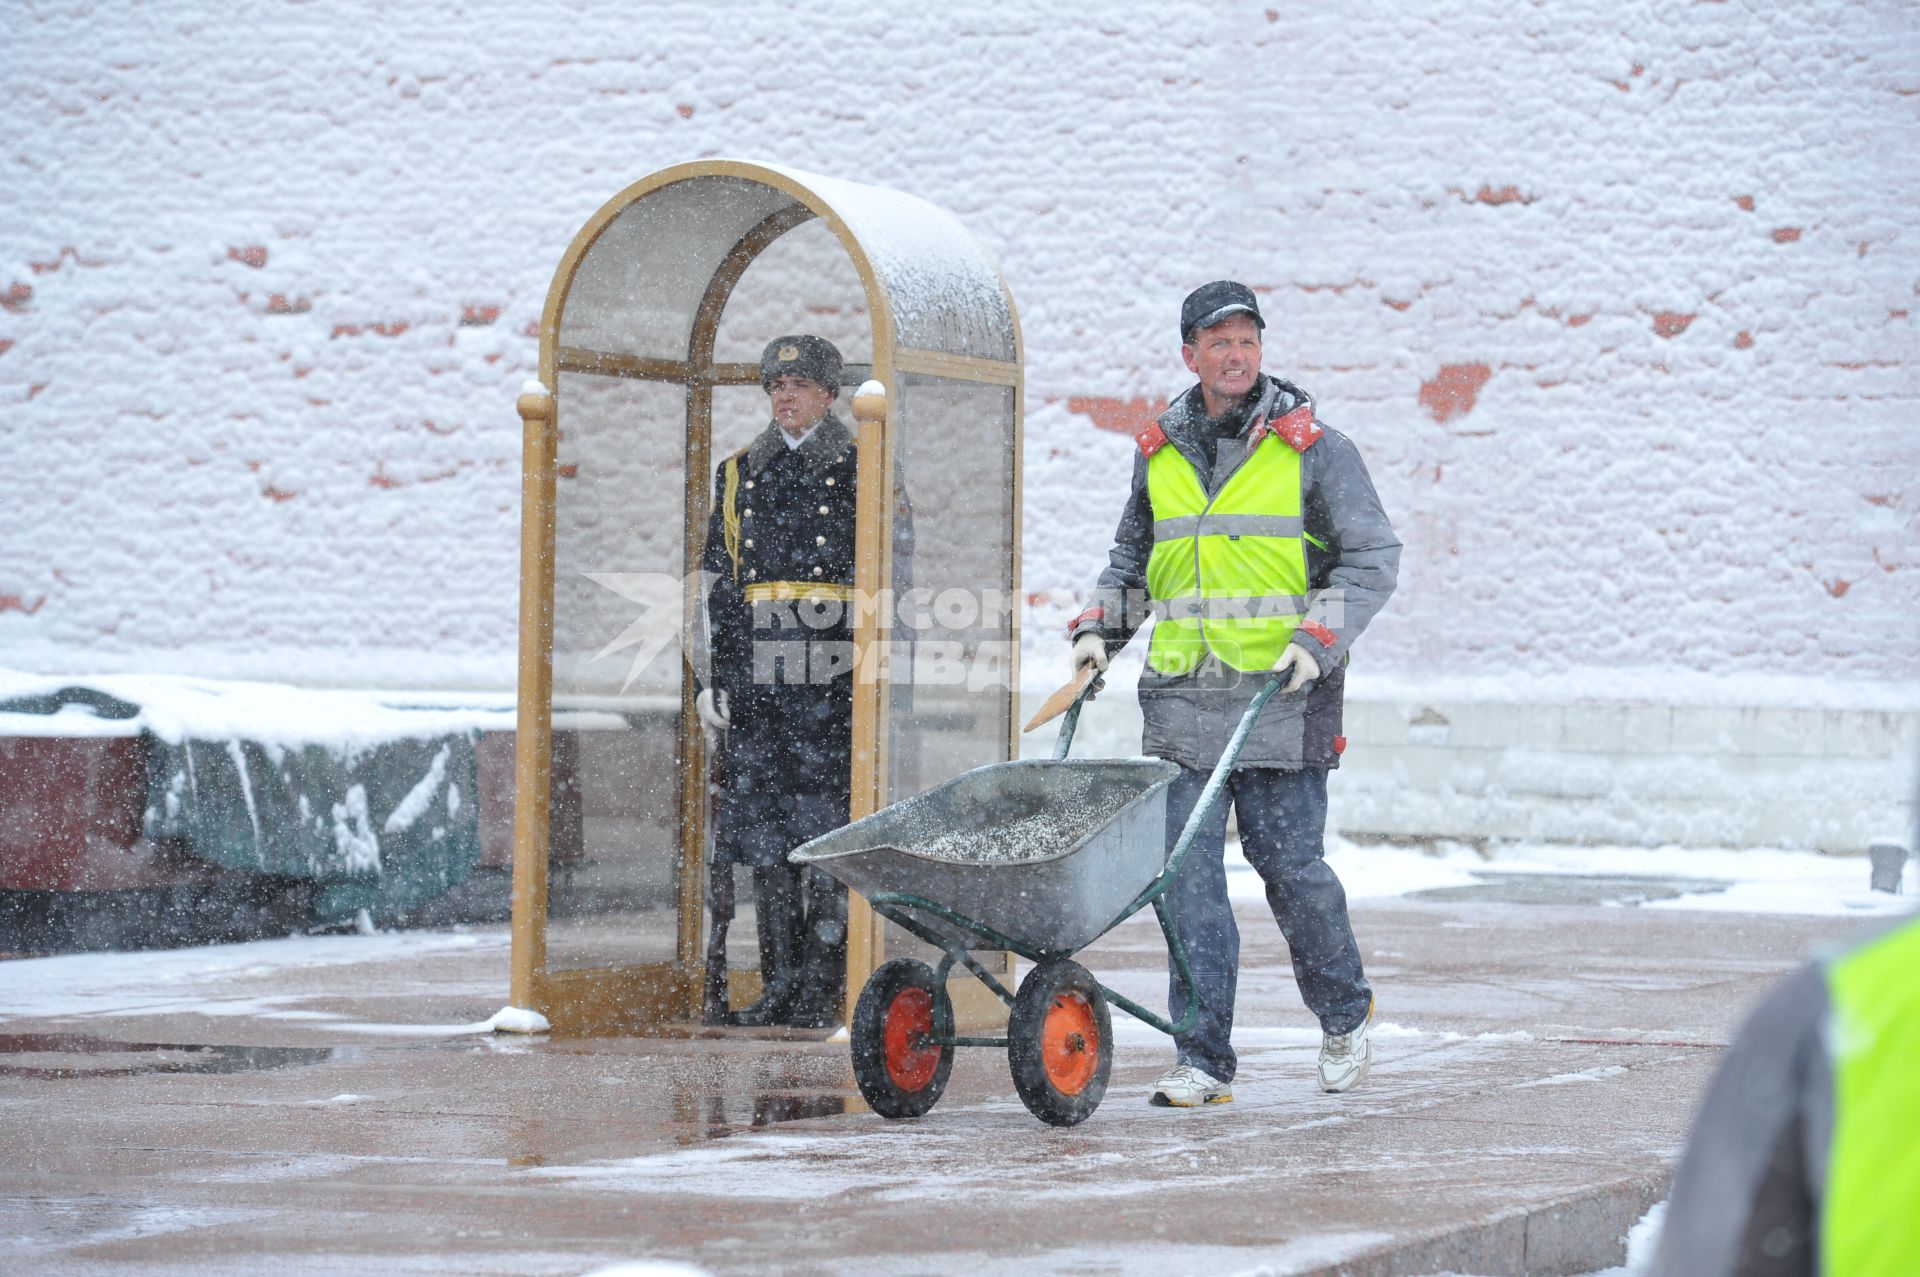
point(767, 1110)
point(696, 1119)
point(56, 1056)
point(716, 1117)
point(1569, 889)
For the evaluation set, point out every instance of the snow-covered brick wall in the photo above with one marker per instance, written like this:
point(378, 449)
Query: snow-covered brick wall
point(1617, 301)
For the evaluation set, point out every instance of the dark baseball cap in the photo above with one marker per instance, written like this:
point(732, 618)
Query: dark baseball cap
point(1208, 304)
point(801, 355)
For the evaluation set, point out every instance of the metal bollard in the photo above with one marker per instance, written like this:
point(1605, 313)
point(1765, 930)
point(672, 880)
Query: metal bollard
point(1888, 860)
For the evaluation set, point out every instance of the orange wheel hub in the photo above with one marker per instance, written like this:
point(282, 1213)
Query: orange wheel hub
point(912, 1054)
point(1070, 1043)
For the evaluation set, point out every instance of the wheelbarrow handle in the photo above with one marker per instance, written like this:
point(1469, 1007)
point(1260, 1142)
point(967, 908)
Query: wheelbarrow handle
point(1217, 782)
point(1072, 721)
point(1209, 798)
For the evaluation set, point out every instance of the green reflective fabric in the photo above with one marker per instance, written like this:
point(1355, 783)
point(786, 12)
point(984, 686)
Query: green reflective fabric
point(1223, 549)
point(1871, 1219)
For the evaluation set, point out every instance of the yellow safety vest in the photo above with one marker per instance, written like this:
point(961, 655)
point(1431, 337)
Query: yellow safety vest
point(1228, 574)
point(1869, 1225)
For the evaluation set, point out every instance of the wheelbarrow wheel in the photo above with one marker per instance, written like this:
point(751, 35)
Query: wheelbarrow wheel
point(898, 1062)
point(1060, 1042)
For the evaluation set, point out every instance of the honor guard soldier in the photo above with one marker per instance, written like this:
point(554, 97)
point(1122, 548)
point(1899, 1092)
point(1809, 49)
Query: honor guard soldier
point(779, 555)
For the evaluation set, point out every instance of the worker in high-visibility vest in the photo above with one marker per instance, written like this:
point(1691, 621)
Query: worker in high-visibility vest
point(1805, 1154)
point(1254, 539)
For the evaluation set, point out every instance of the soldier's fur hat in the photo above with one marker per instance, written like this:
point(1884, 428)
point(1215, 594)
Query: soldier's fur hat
point(801, 355)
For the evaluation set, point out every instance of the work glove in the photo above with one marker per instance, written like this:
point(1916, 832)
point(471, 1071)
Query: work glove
point(1297, 662)
point(1091, 649)
point(711, 706)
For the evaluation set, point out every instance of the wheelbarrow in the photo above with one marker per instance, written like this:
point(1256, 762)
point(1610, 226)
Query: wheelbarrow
point(1038, 857)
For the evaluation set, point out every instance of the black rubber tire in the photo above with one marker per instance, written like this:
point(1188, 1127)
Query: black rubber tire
point(901, 1073)
point(1060, 1043)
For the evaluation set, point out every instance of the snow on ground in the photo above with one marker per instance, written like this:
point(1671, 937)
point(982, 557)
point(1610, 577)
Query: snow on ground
point(1642, 1238)
point(1759, 880)
point(218, 980)
point(221, 979)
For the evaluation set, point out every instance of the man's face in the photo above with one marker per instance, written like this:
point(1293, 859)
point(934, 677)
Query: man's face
point(798, 403)
point(1226, 358)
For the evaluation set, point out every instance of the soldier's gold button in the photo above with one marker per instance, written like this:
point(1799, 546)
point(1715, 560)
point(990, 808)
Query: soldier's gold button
point(829, 481)
point(749, 543)
point(749, 485)
point(816, 571)
point(825, 510)
point(747, 513)
point(751, 574)
point(819, 540)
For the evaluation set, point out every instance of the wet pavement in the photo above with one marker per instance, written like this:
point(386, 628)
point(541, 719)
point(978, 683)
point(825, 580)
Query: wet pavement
point(1537, 1062)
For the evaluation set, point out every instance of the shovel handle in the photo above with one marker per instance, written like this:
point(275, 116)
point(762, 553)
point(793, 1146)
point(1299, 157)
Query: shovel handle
point(1071, 721)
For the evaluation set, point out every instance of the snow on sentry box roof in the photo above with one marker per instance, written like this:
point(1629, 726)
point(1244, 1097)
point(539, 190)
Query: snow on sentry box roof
point(945, 290)
point(639, 282)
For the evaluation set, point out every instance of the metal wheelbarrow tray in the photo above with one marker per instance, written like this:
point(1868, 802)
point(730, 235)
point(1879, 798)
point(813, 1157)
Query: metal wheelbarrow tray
point(1042, 858)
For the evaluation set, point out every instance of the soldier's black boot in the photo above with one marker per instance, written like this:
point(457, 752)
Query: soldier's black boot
point(781, 920)
point(821, 1000)
point(823, 984)
point(713, 1000)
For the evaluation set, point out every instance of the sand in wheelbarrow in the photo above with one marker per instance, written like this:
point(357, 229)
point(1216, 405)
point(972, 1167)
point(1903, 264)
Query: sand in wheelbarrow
point(1019, 830)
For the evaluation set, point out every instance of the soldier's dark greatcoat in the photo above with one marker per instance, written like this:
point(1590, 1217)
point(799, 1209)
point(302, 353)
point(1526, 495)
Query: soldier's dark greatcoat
point(780, 549)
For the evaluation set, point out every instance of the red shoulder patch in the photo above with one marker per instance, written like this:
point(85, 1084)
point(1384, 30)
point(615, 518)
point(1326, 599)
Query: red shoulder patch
point(1151, 440)
point(1298, 428)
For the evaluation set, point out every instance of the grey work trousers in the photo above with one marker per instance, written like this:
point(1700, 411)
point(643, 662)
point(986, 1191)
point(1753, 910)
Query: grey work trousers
point(1283, 817)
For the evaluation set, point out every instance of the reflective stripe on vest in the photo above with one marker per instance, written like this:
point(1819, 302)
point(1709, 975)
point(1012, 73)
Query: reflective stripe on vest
point(1869, 1225)
point(1231, 607)
point(1233, 525)
point(1228, 575)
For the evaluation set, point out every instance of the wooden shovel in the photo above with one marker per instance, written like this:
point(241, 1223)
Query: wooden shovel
point(1063, 698)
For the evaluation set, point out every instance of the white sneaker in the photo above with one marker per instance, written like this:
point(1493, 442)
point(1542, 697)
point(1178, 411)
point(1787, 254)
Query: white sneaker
point(1187, 1087)
point(1345, 1058)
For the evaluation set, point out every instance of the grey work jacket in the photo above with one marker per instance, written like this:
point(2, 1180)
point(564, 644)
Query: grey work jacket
point(1189, 717)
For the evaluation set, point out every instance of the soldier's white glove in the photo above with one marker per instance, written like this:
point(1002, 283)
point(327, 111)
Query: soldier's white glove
point(1091, 649)
point(1297, 662)
point(711, 706)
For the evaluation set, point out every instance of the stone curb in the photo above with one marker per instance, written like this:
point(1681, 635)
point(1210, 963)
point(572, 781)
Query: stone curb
point(1582, 1232)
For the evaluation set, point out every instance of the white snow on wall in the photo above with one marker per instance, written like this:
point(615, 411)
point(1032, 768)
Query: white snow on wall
point(1618, 302)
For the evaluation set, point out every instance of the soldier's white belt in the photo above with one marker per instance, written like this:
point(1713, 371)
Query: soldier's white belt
point(798, 591)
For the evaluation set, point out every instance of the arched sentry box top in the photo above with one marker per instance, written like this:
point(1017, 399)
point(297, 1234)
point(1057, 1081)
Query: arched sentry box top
point(643, 284)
